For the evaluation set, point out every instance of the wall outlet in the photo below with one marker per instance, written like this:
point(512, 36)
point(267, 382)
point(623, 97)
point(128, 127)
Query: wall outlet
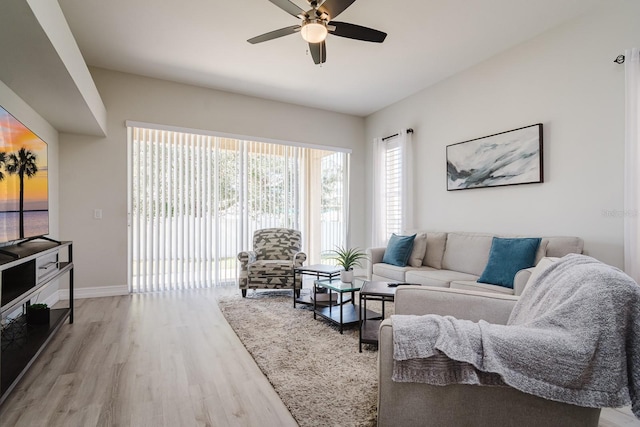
point(97, 214)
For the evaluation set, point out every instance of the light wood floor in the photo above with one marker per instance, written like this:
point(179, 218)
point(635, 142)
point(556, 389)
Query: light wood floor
point(146, 360)
point(158, 360)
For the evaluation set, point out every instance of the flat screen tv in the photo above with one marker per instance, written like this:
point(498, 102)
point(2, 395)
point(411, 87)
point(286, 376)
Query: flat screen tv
point(24, 183)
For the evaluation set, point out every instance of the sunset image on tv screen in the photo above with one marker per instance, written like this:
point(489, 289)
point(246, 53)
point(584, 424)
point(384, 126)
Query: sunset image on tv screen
point(24, 206)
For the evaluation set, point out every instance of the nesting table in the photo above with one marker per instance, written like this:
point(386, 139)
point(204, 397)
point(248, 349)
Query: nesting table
point(343, 313)
point(320, 271)
point(370, 323)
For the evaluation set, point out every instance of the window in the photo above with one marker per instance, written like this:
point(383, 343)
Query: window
point(195, 201)
point(392, 192)
point(393, 188)
point(334, 215)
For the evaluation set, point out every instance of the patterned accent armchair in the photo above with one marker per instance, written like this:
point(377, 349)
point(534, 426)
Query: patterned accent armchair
point(276, 252)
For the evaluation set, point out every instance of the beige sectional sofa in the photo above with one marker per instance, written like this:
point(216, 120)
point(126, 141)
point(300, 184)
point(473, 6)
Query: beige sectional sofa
point(457, 259)
point(415, 404)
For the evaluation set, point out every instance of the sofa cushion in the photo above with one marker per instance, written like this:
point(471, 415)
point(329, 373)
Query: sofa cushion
point(432, 277)
point(436, 243)
point(391, 272)
point(469, 285)
point(419, 250)
point(466, 252)
point(507, 257)
point(398, 250)
point(561, 246)
point(542, 250)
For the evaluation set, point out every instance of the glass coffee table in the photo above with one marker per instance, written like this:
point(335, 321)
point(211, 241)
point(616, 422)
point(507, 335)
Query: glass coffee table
point(343, 313)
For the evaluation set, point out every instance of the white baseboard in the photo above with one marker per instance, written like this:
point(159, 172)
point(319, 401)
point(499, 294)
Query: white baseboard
point(95, 292)
point(52, 299)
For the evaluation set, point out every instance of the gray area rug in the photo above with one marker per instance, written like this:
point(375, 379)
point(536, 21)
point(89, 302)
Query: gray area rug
point(318, 373)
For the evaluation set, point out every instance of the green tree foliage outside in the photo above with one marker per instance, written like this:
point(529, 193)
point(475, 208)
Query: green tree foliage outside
point(268, 178)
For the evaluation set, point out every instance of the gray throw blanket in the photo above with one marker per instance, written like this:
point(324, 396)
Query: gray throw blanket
point(573, 337)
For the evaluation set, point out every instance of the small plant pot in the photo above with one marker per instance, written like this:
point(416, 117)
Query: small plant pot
point(346, 276)
point(38, 316)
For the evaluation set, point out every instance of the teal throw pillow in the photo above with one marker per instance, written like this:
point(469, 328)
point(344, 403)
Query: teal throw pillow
point(507, 257)
point(398, 250)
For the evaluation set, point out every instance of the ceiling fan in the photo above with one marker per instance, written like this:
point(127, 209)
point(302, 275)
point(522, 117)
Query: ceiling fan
point(317, 23)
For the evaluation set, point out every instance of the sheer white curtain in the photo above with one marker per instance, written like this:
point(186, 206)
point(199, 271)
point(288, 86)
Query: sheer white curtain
point(392, 186)
point(406, 150)
point(378, 237)
point(632, 165)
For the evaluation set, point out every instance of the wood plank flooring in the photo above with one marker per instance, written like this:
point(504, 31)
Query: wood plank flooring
point(146, 360)
point(153, 360)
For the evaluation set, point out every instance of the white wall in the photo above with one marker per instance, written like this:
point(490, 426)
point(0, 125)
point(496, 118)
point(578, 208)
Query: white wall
point(565, 79)
point(93, 171)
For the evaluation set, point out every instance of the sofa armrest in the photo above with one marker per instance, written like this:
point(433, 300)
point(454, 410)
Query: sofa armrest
point(523, 277)
point(415, 404)
point(459, 303)
point(374, 256)
point(520, 280)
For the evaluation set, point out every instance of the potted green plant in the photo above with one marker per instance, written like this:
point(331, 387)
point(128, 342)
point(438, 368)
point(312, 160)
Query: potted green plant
point(38, 314)
point(348, 258)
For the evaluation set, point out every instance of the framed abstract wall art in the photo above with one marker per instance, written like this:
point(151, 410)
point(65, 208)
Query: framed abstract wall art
point(508, 158)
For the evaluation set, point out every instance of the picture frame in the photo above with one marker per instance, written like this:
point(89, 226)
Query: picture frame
point(513, 157)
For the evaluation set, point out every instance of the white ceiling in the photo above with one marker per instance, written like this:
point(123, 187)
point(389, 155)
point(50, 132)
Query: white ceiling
point(203, 42)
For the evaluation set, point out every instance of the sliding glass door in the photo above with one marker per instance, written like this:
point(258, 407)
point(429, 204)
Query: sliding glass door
point(195, 201)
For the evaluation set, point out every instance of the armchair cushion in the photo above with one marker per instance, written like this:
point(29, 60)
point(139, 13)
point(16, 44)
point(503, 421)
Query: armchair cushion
point(270, 267)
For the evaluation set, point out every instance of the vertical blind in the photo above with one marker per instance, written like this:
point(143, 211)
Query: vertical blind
point(195, 201)
point(393, 188)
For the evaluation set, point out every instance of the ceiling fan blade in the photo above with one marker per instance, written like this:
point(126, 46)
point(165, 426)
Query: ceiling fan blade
point(318, 52)
point(289, 7)
point(275, 34)
point(353, 31)
point(335, 7)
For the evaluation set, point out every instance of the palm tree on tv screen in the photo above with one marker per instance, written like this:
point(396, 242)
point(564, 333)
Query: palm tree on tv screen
point(3, 161)
point(24, 164)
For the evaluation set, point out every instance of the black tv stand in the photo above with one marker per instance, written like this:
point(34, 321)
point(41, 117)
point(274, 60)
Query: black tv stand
point(26, 269)
point(11, 254)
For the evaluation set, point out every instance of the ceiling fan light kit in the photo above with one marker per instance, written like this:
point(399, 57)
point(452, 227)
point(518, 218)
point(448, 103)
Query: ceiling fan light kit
point(316, 23)
point(314, 31)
